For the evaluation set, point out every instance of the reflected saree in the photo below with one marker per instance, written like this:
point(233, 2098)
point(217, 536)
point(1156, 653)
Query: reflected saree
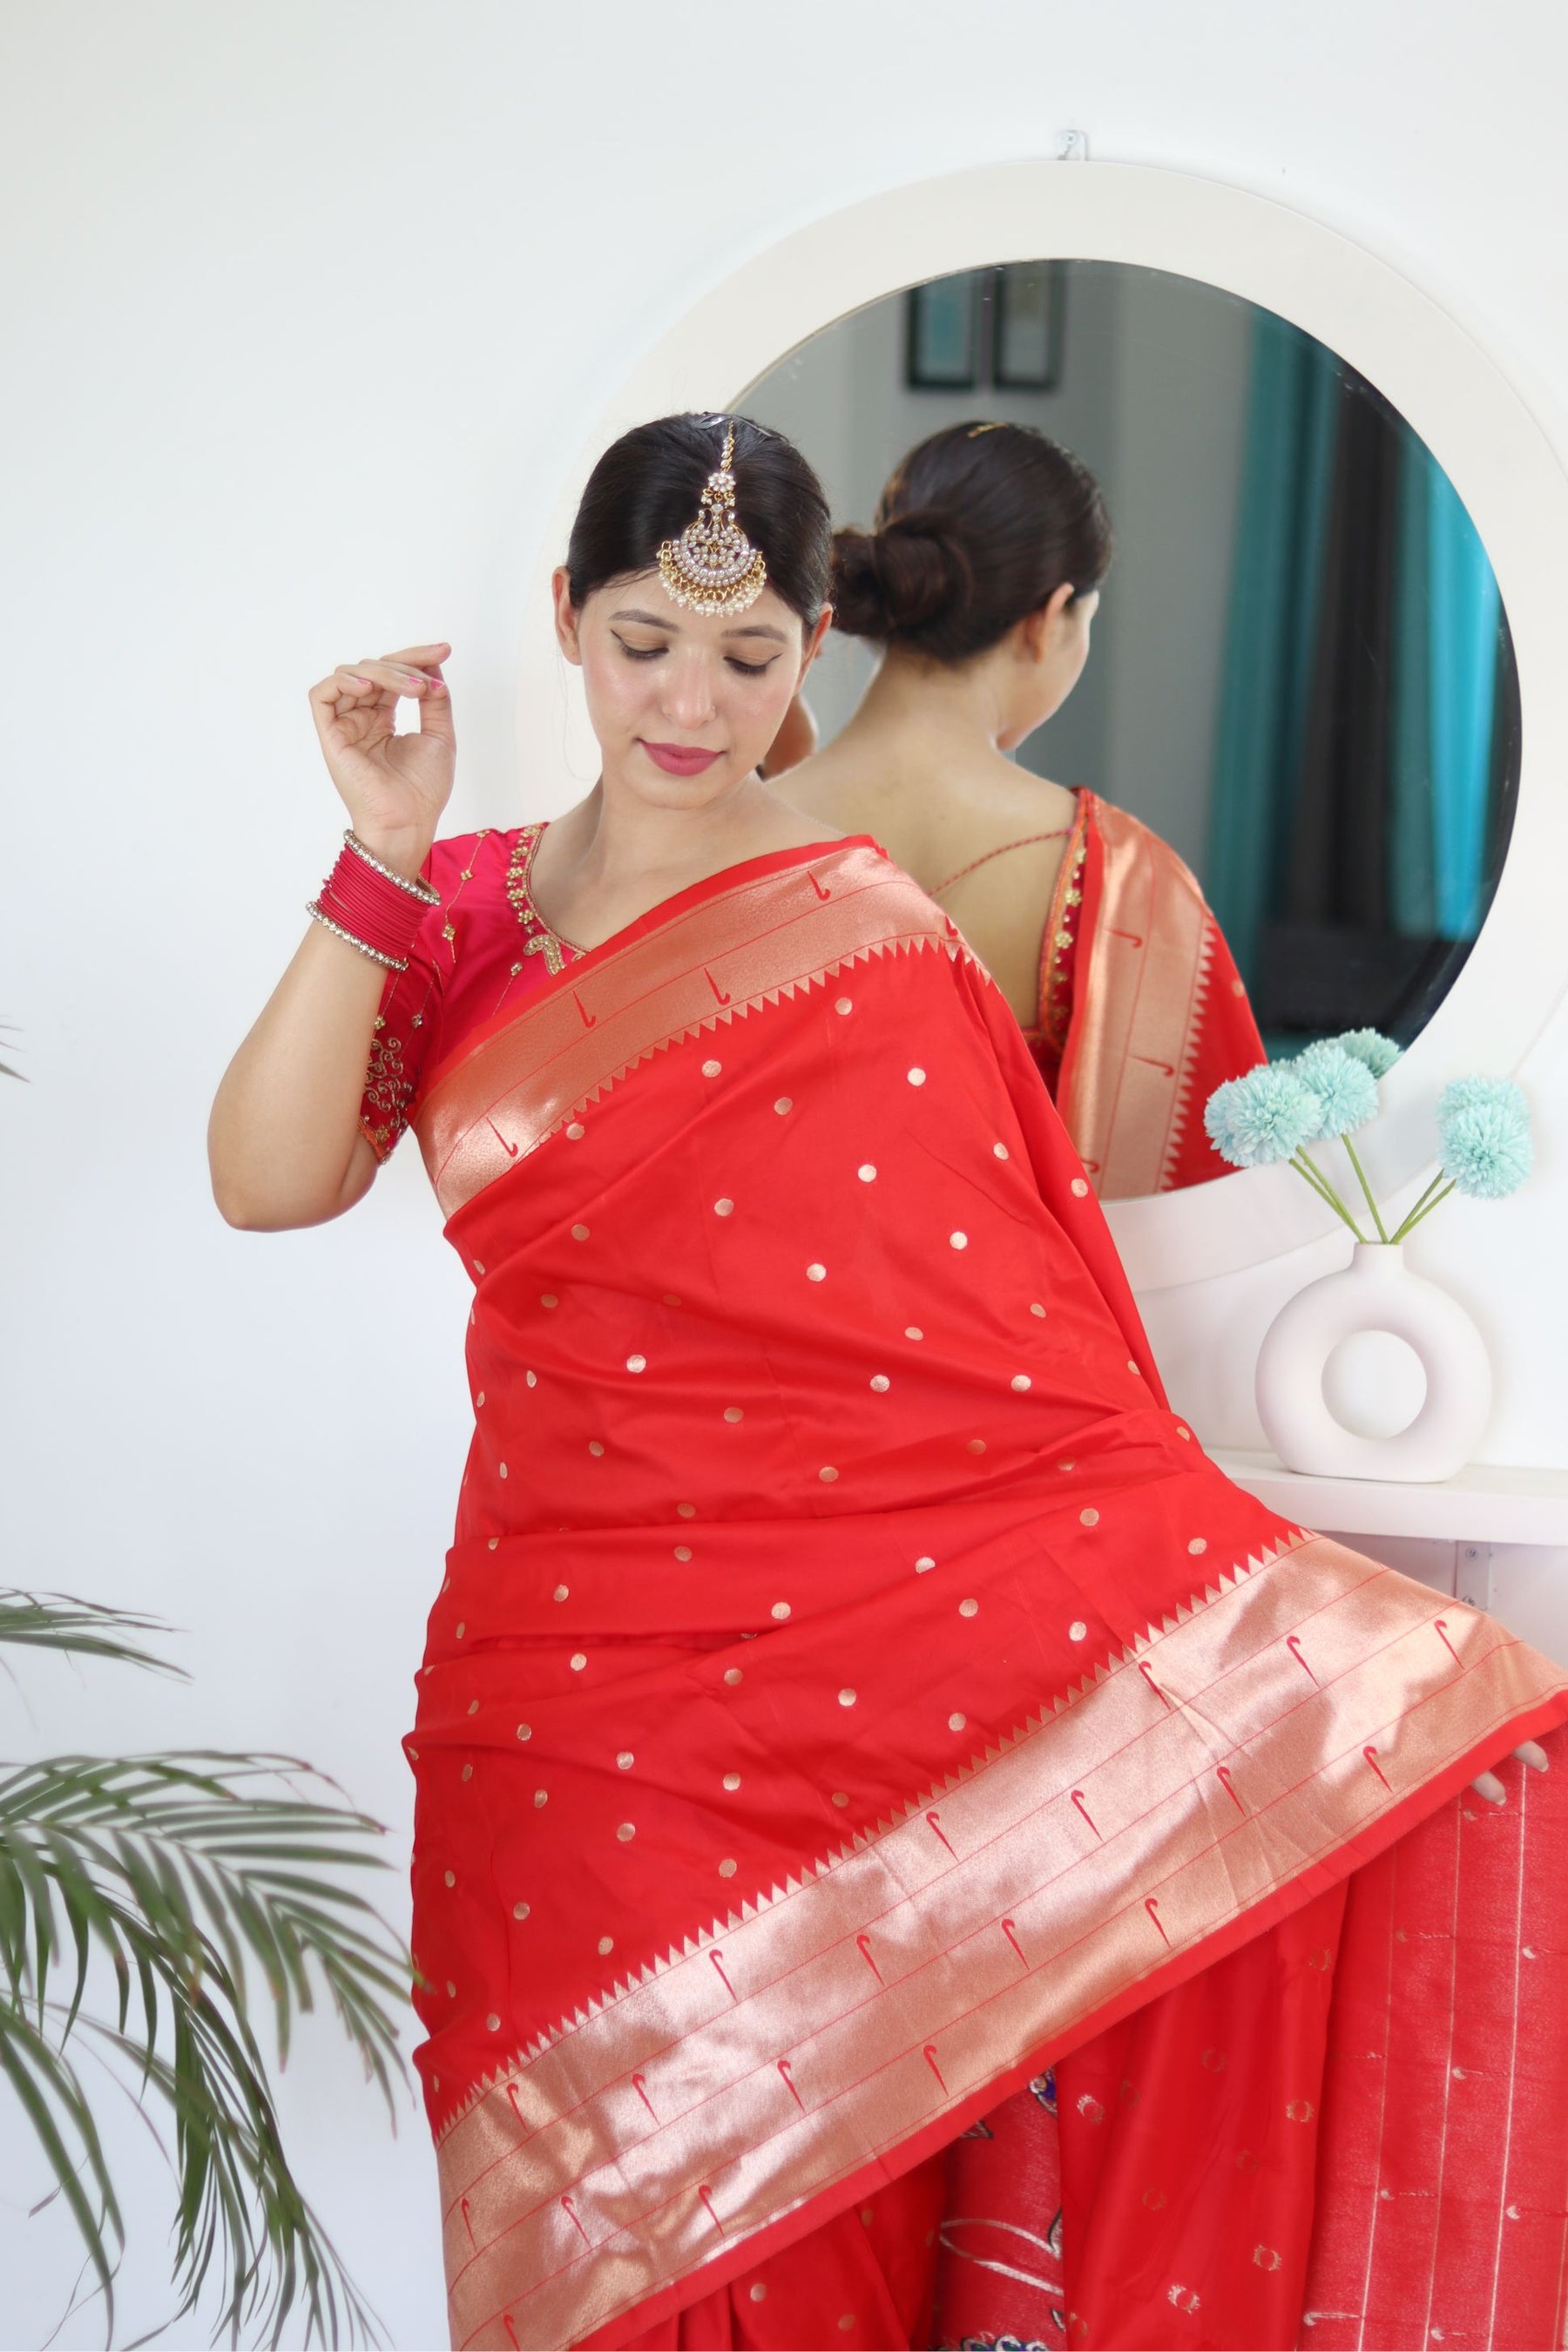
point(853, 1689)
point(1142, 1012)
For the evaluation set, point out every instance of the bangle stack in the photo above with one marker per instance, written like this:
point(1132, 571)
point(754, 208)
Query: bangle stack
point(371, 907)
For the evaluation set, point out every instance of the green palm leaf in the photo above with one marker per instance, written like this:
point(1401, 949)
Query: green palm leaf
point(194, 1876)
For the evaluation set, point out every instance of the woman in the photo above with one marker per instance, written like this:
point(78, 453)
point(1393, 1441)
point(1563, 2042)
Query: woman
point(980, 579)
point(851, 1684)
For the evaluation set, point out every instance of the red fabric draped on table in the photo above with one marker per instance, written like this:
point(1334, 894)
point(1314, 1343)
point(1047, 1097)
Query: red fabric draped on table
point(852, 1687)
point(1142, 1012)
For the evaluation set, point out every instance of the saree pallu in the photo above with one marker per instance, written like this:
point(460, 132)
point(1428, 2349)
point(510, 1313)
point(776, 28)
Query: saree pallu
point(1142, 1012)
point(852, 1688)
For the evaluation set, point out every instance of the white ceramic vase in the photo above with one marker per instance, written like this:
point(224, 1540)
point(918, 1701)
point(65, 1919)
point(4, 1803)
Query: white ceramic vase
point(1376, 1292)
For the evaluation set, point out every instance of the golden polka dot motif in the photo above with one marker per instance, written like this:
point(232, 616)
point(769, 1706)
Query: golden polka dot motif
point(468, 1771)
point(576, 1130)
point(683, 1551)
point(462, 1629)
point(561, 1593)
point(480, 1398)
point(519, 1910)
point(977, 1446)
point(473, 1706)
point(495, 1543)
point(451, 1989)
point(917, 1077)
point(780, 1610)
point(1182, 1431)
point(827, 1473)
point(626, 1760)
point(924, 1562)
point(1078, 1630)
point(1035, 1308)
point(548, 1299)
point(1089, 1517)
point(783, 1105)
point(867, 1174)
point(503, 1469)
point(726, 1869)
point(711, 1069)
point(579, 1233)
point(732, 1675)
point(733, 1413)
point(532, 1379)
point(670, 1299)
point(492, 2024)
point(957, 1722)
point(759, 2291)
point(958, 1240)
point(1021, 1382)
point(731, 1781)
point(913, 1331)
point(882, 1383)
point(627, 1831)
point(1133, 1369)
point(606, 1946)
point(540, 1797)
point(1198, 1543)
point(525, 1731)
point(840, 1797)
point(579, 1660)
point(637, 1363)
point(595, 1448)
point(969, 1608)
point(815, 1271)
point(847, 1697)
point(451, 1877)
point(477, 1267)
point(844, 1004)
point(1079, 1188)
point(687, 1510)
point(1001, 1150)
point(723, 1208)
point(846, 2320)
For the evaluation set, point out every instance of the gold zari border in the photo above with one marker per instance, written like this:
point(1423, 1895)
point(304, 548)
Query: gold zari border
point(1284, 1714)
point(698, 969)
point(1138, 1003)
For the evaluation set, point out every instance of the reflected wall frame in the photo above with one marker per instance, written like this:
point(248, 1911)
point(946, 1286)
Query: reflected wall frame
point(1419, 357)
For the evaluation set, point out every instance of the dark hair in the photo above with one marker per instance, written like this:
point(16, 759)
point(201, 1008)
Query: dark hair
point(645, 488)
point(978, 526)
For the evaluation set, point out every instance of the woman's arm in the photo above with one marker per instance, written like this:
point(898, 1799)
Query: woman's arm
point(284, 1141)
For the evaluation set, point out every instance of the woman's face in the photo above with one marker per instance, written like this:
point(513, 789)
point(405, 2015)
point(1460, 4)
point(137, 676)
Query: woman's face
point(684, 704)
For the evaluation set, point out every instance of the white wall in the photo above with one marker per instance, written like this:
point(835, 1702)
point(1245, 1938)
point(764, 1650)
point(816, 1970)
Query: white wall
point(304, 307)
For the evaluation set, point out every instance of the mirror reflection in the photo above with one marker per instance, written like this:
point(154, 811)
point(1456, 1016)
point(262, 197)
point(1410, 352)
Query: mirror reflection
point(1169, 659)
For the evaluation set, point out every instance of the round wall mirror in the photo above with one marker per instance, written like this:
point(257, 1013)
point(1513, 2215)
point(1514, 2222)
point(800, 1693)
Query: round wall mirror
point(1301, 677)
point(1422, 499)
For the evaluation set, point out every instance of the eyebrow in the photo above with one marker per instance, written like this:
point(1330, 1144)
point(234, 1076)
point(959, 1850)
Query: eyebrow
point(660, 621)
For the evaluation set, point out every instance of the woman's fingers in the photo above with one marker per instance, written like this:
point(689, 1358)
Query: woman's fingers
point(1488, 1785)
point(1531, 1752)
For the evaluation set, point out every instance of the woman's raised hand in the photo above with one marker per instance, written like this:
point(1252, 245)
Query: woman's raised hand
point(393, 786)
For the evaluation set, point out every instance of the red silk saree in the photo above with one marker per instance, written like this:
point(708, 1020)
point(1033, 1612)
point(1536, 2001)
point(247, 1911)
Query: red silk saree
point(1142, 1012)
point(852, 1688)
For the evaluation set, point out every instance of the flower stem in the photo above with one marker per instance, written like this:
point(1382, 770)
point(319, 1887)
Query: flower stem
point(1413, 1219)
point(1366, 1188)
point(1325, 1191)
point(1418, 1208)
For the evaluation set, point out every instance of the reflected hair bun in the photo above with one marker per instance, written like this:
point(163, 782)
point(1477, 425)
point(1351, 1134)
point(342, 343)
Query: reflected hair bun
point(911, 579)
point(979, 526)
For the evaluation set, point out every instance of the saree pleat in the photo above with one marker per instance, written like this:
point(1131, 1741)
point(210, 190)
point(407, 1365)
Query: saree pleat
point(853, 1688)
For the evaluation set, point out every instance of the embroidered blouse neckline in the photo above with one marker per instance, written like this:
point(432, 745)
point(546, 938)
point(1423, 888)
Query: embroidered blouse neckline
point(538, 937)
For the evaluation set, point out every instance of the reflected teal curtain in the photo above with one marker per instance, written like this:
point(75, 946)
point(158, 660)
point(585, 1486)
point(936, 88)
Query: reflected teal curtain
point(1442, 686)
point(1275, 586)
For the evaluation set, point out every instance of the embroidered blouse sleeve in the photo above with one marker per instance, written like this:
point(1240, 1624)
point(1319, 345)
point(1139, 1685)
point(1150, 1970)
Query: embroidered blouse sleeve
point(409, 1021)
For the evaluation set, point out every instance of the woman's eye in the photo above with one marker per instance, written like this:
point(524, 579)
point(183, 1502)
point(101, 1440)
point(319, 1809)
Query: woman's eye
point(750, 669)
point(640, 652)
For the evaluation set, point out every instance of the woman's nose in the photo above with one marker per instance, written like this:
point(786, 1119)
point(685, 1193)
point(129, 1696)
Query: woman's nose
point(687, 697)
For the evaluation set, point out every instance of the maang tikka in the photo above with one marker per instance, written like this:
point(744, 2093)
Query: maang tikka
point(712, 567)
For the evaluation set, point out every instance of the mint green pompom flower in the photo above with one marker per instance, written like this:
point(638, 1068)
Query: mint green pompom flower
point(1368, 1045)
point(1262, 1117)
point(1483, 1138)
point(1344, 1085)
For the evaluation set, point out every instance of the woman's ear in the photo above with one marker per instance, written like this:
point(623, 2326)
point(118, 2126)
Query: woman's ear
point(1036, 628)
point(566, 617)
point(814, 642)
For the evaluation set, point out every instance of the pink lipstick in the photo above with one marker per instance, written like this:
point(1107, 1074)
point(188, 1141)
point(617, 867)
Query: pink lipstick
point(680, 759)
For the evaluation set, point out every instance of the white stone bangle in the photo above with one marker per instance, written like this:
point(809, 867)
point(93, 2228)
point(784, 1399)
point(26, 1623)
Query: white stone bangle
point(415, 889)
point(393, 963)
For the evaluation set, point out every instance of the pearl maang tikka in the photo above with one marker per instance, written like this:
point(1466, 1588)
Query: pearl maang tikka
point(712, 567)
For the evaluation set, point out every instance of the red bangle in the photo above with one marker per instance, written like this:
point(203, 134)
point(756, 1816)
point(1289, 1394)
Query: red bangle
point(372, 909)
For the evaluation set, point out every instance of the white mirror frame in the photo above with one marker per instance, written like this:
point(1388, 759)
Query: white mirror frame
point(1456, 398)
